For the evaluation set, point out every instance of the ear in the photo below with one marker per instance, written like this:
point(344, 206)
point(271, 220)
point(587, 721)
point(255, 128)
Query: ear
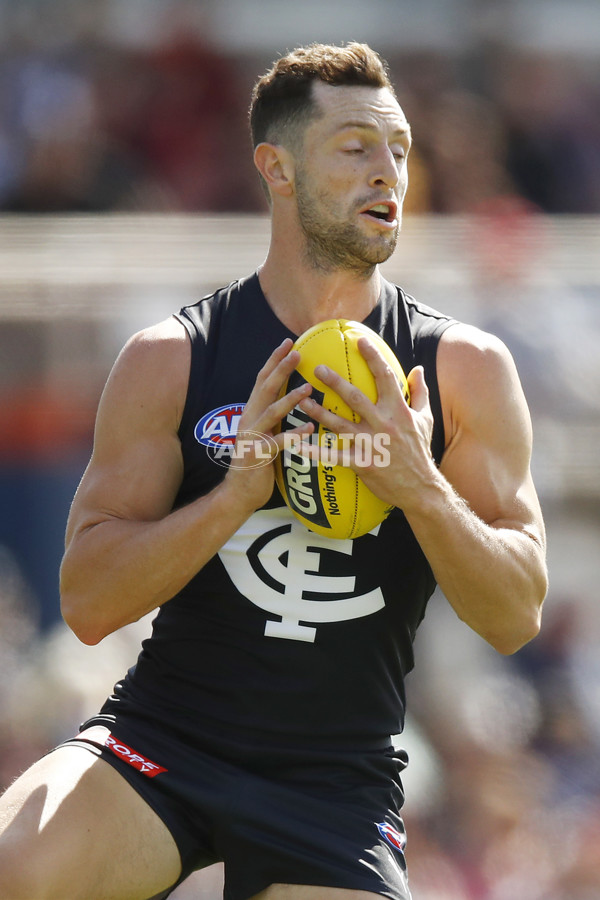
point(276, 166)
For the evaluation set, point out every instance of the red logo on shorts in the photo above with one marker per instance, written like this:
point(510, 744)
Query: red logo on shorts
point(139, 762)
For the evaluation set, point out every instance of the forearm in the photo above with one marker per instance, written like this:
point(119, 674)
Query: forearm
point(117, 570)
point(494, 576)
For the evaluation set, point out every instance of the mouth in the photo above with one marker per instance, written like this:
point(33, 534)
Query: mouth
point(384, 213)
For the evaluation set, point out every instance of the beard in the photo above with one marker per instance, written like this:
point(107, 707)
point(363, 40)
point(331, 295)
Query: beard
point(333, 243)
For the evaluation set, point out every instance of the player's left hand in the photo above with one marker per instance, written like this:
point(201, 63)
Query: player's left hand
point(407, 429)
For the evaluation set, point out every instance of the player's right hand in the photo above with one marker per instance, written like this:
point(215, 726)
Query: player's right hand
point(251, 471)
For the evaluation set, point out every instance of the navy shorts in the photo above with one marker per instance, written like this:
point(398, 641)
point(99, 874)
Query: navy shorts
point(271, 815)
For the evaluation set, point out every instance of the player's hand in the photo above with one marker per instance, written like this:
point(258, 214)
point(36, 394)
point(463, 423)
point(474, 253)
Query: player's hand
point(407, 429)
point(251, 470)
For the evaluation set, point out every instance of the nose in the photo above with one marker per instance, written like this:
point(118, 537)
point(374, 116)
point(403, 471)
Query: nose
point(385, 169)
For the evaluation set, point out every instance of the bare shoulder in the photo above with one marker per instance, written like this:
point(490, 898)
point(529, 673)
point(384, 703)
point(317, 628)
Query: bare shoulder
point(464, 348)
point(165, 343)
point(152, 369)
point(478, 380)
point(169, 331)
point(488, 429)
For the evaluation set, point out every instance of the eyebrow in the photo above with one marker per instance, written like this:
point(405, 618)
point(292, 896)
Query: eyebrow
point(366, 126)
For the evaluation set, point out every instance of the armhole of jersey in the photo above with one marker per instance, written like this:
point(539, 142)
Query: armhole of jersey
point(195, 376)
point(418, 331)
point(426, 348)
point(186, 322)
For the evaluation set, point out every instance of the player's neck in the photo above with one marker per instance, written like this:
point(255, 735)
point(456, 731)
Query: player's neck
point(301, 296)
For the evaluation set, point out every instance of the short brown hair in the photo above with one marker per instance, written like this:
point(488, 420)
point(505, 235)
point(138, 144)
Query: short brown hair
point(282, 101)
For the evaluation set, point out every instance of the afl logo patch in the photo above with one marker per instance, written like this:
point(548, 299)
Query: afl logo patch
point(219, 426)
point(392, 836)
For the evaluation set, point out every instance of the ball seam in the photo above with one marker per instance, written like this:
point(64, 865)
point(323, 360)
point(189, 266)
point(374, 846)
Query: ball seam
point(356, 486)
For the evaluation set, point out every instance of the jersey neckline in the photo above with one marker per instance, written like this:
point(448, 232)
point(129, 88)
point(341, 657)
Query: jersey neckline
point(371, 320)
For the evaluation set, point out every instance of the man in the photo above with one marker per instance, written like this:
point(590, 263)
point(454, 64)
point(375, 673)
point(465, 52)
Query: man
point(228, 741)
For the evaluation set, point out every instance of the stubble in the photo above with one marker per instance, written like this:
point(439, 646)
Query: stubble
point(332, 244)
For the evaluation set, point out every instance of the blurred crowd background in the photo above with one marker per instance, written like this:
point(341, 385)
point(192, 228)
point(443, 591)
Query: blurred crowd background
point(127, 189)
point(121, 104)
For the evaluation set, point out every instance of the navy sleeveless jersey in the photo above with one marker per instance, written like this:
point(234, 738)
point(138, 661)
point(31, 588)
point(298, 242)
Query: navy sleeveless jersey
point(285, 636)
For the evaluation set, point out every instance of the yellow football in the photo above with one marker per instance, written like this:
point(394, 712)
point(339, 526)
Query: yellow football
point(327, 497)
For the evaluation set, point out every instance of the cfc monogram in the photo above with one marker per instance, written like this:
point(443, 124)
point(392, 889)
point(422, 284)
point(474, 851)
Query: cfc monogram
point(272, 543)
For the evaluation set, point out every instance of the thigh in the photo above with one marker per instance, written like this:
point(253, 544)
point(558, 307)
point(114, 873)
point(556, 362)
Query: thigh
point(85, 832)
point(309, 892)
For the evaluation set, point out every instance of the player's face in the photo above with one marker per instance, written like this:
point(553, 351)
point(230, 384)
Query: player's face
point(351, 177)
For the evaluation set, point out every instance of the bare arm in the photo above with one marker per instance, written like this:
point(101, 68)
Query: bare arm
point(126, 551)
point(480, 519)
point(477, 518)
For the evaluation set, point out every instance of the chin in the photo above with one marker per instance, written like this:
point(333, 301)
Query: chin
point(385, 249)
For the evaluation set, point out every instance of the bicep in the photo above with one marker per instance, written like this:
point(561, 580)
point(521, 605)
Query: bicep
point(488, 452)
point(136, 466)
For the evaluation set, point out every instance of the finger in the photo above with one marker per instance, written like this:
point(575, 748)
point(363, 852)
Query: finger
point(386, 379)
point(276, 411)
point(276, 379)
point(275, 359)
point(271, 379)
point(349, 393)
point(323, 453)
point(295, 437)
point(332, 421)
